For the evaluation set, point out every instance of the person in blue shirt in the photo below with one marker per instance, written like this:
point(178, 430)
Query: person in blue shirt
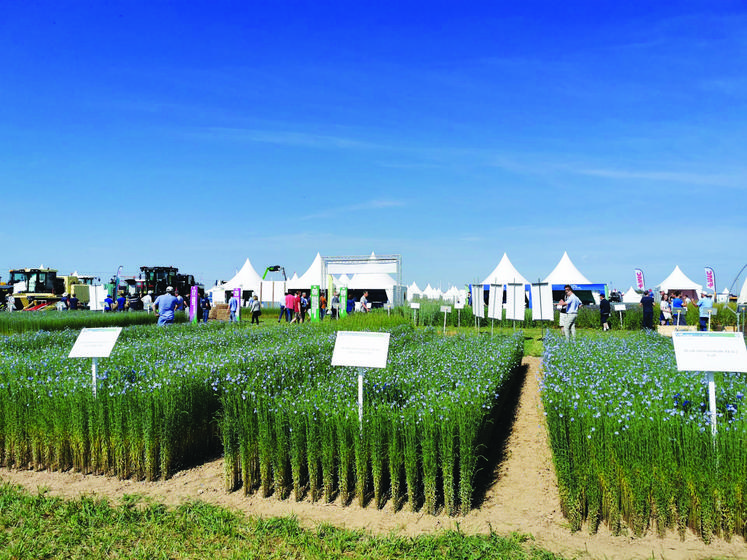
point(121, 300)
point(705, 305)
point(108, 303)
point(647, 302)
point(679, 310)
point(233, 307)
point(164, 306)
point(571, 303)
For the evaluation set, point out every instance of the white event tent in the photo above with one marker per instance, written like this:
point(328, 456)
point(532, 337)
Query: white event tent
point(312, 277)
point(414, 292)
point(631, 296)
point(505, 273)
point(565, 272)
point(248, 279)
point(678, 282)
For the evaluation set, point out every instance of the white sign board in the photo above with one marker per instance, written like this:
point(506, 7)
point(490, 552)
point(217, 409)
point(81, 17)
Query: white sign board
point(414, 305)
point(459, 304)
point(542, 302)
point(361, 349)
point(515, 302)
point(445, 309)
point(95, 343)
point(478, 305)
point(495, 302)
point(710, 351)
point(620, 307)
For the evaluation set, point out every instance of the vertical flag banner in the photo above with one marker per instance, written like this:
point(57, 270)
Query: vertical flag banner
point(315, 291)
point(237, 295)
point(542, 308)
point(343, 301)
point(495, 302)
point(515, 302)
point(478, 305)
point(194, 295)
point(640, 284)
point(710, 279)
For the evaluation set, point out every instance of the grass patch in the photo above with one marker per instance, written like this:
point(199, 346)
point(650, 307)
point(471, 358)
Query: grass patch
point(43, 526)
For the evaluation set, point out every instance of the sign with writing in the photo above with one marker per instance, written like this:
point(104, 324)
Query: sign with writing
point(620, 307)
point(710, 279)
point(414, 305)
point(459, 303)
point(478, 305)
point(194, 297)
point(95, 343)
point(542, 309)
point(639, 282)
point(445, 309)
point(315, 293)
point(495, 302)
point(361, 349)
point(710, 351)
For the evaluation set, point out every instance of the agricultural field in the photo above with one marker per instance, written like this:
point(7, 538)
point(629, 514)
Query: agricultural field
point(632, 439)
point(270, 402)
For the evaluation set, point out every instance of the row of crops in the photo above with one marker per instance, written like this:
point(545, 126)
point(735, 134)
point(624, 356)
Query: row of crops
point(268, 399)
point(632, 441)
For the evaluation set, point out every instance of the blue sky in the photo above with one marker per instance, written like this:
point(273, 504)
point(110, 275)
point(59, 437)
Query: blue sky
point(199, 134)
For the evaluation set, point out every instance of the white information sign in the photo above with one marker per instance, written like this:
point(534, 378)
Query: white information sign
point(495, 302)
point(414, 305)
point(710, 351)
point(445, 309)
point(542, 302)
point(95, 343)
point(620, 307)
point(361, 349)
point(459, 304)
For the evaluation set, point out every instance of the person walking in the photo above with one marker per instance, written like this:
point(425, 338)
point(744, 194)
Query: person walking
point(233, 308)
point(147, 300)
point(604, 312)
point(205, 305)
point(647, 302)
point(364, 302)
point(256, 309)
point(705, 306)
point(164, 306)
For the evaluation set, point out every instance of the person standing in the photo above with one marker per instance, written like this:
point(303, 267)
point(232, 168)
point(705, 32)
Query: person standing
point(73, 301)
point(705, 306)
point(322, 306)
point(121, 300)
point(148, 301)
point(256, 309)
point(604, 312)
point(10, 302)
point(570, 303)
point(205, 305)
point(665, 315)
point(289, 303)
point(647, 302)
point(304, 306)
point(364, 302)
point(108, 303)
point(233, 308)
point(164, 306)
point(335, 305)
point(678, 310)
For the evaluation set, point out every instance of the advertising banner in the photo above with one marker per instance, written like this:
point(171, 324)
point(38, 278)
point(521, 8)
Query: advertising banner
point(640, 284)
point(478, 307)
point(314, 311)
point(194, 296)
point(495, 302)
point(710, 279)
point(542, 309)
point(344, 301)
point(515, 302)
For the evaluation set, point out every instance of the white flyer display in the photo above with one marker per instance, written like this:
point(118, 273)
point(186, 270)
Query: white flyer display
point(478, 307)
point(495, 302)
point(542, 309)
point(515, 303)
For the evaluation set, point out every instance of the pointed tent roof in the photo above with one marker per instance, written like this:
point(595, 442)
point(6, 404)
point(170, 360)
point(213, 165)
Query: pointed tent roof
point(505, 273)
point(631, 296)
point(246, 278)
point(342, 280)
point(678, 281)
point(565, 272)
point(312, 276)
point(743, 294)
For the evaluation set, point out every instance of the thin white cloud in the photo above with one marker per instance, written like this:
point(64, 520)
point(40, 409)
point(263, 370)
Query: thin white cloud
point(708, 179)
point(287, 138)
point(363, 206)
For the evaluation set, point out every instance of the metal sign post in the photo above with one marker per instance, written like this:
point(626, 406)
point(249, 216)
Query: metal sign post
point(710, 352)
point(361, 350)
point(445, 309)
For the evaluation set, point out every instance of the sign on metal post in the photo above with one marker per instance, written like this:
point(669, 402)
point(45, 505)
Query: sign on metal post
point(620, 307)
point(415, 306)
point(95, 343)
point(710, 352)
point(194, 296)
point(361, 350)
point(445, 309)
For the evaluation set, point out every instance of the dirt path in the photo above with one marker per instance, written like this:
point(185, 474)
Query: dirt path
point(524, 499)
